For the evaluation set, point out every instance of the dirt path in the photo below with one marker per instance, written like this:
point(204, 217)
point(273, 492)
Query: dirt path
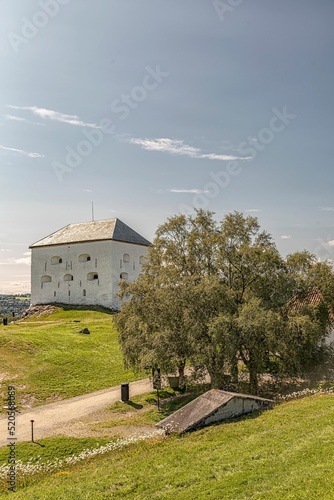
point(53, 418)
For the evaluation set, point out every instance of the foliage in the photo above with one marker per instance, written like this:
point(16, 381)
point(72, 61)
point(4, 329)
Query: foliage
point(212, 294)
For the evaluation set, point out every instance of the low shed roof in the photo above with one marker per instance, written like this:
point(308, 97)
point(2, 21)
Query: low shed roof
point(190, 415)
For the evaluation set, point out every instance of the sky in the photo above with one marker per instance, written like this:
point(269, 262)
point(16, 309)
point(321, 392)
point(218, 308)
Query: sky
point(151, 108)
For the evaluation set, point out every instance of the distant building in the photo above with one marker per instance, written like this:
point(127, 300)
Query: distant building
point(81, 264)
point(314, 298)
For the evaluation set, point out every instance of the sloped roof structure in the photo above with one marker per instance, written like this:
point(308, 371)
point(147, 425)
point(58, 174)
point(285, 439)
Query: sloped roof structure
point(109, 229)
point(213, 406)
point(313, 297)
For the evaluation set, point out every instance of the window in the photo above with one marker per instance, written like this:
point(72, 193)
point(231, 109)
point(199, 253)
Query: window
point(46, 278)
point(68, 277)
point(124, 276)
point(95, 263)
point(54, 294)
point(120, 263)
point(142, 260)
point(85, 257)
point(92, 276)
point(56, 260)
point(84, 293)
point(126, 257)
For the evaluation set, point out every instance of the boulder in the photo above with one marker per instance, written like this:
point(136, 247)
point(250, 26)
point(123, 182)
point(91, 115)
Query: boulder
point(85, 331)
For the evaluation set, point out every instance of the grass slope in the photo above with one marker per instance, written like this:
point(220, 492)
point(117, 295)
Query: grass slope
point(285, 453)
point(46, 358)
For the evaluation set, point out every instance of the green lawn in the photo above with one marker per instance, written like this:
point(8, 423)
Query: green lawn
point(284, 453)
point(46, 358)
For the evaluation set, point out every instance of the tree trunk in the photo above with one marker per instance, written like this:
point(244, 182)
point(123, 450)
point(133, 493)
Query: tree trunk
point(217, 379)
point(182, 381)
point(234, 370)
point(253, 379)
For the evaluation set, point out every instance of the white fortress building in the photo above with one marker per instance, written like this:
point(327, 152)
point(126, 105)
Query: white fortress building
point(81, 264)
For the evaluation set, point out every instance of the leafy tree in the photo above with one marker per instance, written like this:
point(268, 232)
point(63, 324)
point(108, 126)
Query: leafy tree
point(214, 293)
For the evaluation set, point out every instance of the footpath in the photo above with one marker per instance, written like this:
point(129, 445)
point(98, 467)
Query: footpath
point(49, 419)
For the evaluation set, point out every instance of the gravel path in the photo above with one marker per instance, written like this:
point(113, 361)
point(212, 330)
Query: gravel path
point(51, 418)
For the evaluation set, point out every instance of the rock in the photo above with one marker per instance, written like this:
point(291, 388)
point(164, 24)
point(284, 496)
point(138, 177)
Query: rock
point(39, 310)
point(85, 330)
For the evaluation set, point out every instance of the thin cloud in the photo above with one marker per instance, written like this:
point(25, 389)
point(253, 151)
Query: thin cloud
point(330, 243)
point(285, 236)
point(15, 118)
point(20, 119)
point(22, 152)
point(253, 210)
point(56, 116)
point(23, 260)
point(326, 209)
point(192, 191)
point(178, 147)
point(18, 244)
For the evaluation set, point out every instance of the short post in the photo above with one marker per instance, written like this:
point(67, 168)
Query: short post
point(32, 431)
point(125, 392)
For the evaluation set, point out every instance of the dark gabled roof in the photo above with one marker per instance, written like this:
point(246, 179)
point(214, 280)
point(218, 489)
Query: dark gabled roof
point(109, 229)
point(191, 415)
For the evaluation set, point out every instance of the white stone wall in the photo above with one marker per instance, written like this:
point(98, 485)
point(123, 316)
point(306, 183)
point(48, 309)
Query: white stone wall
point(106, 261)
point(234, 408)
point(119, 266)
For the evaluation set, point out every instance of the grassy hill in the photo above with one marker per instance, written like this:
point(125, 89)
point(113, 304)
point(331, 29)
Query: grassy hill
point(46, 357)
point(284, 453)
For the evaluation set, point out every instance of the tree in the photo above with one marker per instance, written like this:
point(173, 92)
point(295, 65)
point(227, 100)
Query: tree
point(215, 293)
point(156, 324)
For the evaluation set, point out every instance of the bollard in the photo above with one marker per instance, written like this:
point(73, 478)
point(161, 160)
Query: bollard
point(32, 430)
point(125, 392)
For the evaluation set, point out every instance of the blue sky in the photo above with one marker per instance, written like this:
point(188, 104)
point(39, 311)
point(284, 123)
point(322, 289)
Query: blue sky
point(150, 108)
